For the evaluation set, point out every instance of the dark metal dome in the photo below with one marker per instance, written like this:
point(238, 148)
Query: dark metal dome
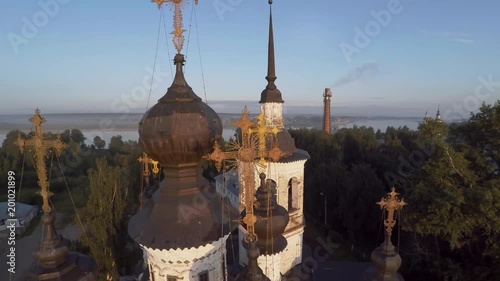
point(180, 128)
point(273, 219)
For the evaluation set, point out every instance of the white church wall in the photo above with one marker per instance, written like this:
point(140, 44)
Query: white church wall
point(292, 255)
point(270, 265)
point(188, 264)
point(273, 112)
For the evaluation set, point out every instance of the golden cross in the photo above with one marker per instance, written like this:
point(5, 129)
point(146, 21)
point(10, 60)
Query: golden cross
point(246, 153)
point(391, 203)
point(178, 31)
point(262, 131)
point(41, 148)
point(145, 160)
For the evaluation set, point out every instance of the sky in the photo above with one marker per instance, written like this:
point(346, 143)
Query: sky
point(380, 57)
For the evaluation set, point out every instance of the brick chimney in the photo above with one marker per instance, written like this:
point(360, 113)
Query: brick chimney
point(326, 115)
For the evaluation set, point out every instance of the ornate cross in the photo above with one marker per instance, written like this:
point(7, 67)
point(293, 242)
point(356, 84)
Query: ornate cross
point(252, 147)
point(391, 204)
point(178, 31)
point(262, 131)
point(41, 148)
point(145, 161)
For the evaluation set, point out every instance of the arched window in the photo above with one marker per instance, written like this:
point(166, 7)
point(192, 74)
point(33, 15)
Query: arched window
point(293, 194)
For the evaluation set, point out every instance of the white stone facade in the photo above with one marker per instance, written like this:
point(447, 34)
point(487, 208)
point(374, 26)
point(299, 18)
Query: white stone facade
point(289, 179)
point(188, 264)
point(273, 112)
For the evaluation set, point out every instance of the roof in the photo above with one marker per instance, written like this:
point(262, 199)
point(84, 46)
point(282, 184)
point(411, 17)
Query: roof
point(298, 155)
point(173, 219)
point(22, 210)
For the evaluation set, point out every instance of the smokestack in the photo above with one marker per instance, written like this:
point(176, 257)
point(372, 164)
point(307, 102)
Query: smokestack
point(326, 115)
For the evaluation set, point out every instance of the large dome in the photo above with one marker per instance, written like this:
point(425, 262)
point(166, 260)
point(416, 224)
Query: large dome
point(180, 128)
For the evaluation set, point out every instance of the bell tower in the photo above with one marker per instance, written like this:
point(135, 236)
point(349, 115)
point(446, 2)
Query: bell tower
point(287, 174)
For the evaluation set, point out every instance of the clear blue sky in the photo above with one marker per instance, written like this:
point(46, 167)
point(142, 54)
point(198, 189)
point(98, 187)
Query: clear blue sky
point(90, 55)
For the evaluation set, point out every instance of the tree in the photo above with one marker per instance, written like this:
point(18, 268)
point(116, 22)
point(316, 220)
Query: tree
point(99, 142)
point(11, 157)
point(360, 190)
point(485, 132)
point(77, 136)
point(66, 136)
point(454, 210)
point(104, 220)
point(115, 144)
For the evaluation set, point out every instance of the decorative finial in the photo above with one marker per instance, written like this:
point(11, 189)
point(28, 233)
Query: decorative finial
point(178, 31)
point(391, 204)
point(271, 93)
point(41, 147)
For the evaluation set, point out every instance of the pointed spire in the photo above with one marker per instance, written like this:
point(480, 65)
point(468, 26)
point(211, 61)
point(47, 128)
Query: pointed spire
point(271, 93)
point(438, 115)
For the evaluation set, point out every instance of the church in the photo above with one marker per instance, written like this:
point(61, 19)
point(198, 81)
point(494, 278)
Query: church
point(247, 225)
point(187, 225)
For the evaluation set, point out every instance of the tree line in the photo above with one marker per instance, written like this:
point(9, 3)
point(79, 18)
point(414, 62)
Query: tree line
point(449, 175)
point(109, 179)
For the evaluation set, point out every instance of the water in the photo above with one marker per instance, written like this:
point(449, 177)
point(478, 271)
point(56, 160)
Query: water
point(108, 125)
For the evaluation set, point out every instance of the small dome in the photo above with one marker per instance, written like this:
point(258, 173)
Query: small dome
point(180, 128)
point(274, 219)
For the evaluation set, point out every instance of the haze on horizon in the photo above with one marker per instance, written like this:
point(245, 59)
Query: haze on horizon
point(94, 56)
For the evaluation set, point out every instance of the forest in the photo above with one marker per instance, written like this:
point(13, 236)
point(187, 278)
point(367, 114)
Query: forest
point(448, 174)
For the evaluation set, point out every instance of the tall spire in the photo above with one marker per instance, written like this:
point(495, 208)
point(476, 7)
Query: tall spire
point(438, 115)
point(271, 93)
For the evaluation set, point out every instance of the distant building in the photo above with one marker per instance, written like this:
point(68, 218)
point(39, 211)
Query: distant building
point(438, 116)
point(326, 114)
point(24, 213)
point(227, 185)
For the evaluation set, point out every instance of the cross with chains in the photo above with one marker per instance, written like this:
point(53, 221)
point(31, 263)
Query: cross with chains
point(391, 204)
point(252, 147)
point(178, 31)
point(41, 149)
